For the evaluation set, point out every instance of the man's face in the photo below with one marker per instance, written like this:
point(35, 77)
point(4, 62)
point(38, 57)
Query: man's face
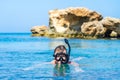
point(61, 58)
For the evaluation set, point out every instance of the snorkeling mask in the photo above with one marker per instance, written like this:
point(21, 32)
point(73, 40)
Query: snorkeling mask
point(62, 57)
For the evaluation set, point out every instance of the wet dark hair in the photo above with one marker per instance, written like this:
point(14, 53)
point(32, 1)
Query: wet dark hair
point(59, 47)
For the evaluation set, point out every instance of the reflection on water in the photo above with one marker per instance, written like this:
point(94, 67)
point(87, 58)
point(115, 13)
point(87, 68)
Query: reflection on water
point(54, 43)
point(76, 43)
point(61, 70)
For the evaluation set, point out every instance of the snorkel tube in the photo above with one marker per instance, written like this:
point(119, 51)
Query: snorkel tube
point(66, 41)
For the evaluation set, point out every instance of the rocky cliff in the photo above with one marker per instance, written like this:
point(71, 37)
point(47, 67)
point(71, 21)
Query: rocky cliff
point(79, 22)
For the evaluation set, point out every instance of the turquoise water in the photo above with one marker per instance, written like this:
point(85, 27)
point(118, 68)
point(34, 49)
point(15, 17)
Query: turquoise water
point(23, 57)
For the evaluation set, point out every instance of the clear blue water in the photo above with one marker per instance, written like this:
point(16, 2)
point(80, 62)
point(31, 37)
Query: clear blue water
point(23, 57)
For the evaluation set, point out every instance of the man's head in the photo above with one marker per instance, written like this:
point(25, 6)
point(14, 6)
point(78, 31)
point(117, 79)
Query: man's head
point(60, 54)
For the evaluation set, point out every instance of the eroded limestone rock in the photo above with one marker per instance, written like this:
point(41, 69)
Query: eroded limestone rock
point(112, 24)
point(78, 23)
point(39, 29)
point(94, 28)
point(71, 19)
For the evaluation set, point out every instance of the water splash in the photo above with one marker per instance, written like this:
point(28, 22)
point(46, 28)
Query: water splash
point(78, 69)
point(35, 66)
point(77, 59)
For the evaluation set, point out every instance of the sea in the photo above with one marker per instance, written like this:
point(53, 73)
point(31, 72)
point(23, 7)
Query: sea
point(24, 57)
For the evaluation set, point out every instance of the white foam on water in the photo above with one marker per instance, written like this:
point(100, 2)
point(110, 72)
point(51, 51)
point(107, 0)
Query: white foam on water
point(77, 59)
point(35, 66)
point(78, 69)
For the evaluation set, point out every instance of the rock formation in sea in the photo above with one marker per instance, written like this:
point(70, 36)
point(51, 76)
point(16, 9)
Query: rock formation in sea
point(78, 22)
point(39, 29)
point(71, 19)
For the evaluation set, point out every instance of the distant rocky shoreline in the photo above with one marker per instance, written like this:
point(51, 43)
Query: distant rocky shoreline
point(78, 22)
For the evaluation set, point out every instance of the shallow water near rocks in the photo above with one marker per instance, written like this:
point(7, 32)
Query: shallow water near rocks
point(23, 57)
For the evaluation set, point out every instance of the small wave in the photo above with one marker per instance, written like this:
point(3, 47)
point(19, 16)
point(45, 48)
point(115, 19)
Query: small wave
point(77, 59)
point(78, 69)
point(35, 66)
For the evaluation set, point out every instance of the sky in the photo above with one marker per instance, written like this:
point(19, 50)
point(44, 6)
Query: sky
point(22, 15)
